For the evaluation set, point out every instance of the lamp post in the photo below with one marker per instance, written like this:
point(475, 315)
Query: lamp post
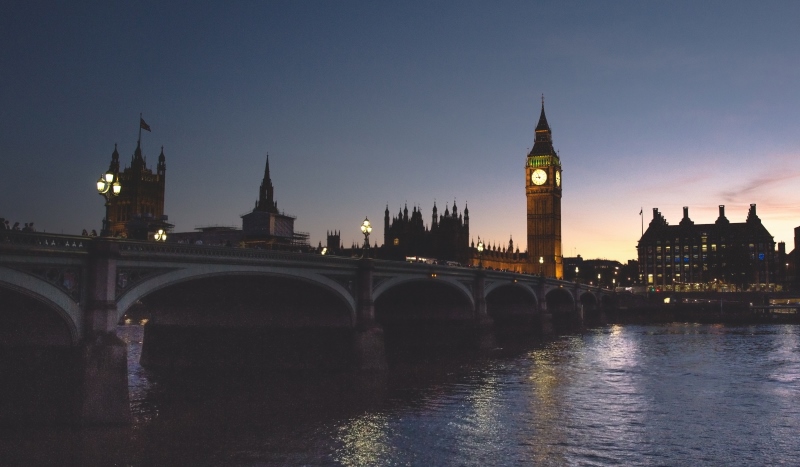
point(576, 274)
point(541, 265)
point(366, 229)
point(598, 280)
point(108, 186)
point(480, 253)
point(160, 235)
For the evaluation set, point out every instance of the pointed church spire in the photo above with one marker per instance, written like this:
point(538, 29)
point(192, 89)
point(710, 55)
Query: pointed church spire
point(162, 163)
point(137, 161)
point(266, 201)
point(114, 166)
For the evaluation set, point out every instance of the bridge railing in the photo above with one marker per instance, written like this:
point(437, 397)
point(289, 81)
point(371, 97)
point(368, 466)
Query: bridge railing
point(19, 240)
point(144, 248)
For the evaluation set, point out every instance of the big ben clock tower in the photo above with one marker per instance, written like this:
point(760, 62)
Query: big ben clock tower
point(543, 190)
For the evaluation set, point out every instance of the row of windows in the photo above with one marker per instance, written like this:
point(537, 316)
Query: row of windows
point(705, 247)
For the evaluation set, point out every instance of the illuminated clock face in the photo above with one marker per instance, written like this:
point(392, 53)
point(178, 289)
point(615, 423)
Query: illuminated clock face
point(538, 177)
point(558, 178)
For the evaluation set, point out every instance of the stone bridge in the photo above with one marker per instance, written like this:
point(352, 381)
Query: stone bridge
point(224, 307)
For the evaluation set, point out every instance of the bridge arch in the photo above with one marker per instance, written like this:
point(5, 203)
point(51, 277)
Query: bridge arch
point(187, 274)
point(588, 301)
point(451, 282)
point(559, 300)
point(48, 295)
point(513, 307)
point(527, 288)
point(424, 313)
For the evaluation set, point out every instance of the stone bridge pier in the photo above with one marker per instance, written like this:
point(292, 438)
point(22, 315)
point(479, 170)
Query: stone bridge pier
point(368, 341)
point(102, 392)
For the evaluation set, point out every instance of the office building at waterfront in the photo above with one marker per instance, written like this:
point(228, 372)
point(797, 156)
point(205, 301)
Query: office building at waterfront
point(724, 256)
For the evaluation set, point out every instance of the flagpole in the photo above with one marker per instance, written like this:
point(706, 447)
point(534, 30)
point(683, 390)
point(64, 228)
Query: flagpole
point(641, 211)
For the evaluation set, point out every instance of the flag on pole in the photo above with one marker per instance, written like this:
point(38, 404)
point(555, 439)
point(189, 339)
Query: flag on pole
point(641, 210)
point(143, 125)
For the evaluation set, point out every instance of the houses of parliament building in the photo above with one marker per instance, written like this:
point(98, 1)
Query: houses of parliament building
point(447, 238)
point(140, 208)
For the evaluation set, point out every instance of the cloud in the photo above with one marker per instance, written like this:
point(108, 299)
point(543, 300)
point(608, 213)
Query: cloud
point(761, 183)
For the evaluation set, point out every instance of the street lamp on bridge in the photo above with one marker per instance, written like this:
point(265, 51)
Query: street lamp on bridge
point(480, 253)
point(576, 274)
point(366, 229)
point(160, 235)
point(541, 265)
point(108, 186)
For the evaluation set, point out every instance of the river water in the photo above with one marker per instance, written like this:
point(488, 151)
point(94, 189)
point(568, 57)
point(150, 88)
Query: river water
point(675, 394)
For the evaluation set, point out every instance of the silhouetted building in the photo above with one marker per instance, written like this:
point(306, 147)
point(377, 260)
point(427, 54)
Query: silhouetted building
point(264, 227)
point(333, 243)
point(139, 208)
point(722, 256)
point(792, 263)
point(447, 239)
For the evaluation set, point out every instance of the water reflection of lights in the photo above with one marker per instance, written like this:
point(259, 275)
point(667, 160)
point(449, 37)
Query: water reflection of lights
point(484, 402)
point(364, 441)
point(546, 404)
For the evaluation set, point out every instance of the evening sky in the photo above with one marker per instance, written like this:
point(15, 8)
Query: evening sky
point(364, 104)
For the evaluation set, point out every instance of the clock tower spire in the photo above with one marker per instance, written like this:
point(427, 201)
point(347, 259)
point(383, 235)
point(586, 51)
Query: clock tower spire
point(543, 191)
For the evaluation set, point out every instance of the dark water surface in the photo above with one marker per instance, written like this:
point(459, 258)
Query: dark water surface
point(675, 394)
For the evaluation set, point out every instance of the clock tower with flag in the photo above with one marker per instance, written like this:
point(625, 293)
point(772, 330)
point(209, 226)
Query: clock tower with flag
point(543, 191)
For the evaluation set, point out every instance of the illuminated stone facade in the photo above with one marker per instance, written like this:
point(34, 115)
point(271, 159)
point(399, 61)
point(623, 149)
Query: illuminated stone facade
point(543, 191)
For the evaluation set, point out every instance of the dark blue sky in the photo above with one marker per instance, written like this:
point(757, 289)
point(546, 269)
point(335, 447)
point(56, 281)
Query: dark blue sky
point(360, 104)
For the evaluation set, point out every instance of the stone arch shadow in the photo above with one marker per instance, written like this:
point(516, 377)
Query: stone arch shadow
point(38, 355)
point(32, 309)
point(424, 316)
point(514, 310)
point(229, 321)
point(561, 307)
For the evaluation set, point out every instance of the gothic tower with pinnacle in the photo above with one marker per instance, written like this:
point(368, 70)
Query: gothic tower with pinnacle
point(543, 191)
point(141, 199)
